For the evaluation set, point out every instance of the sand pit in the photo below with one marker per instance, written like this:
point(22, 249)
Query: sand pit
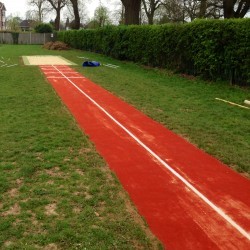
point(46, 60)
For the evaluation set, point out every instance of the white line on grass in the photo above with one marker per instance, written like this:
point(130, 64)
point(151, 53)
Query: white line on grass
point(111, 66)
point(176, 174)
point(11, 65)
point(232, 103)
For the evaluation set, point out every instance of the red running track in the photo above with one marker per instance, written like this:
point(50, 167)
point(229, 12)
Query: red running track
point(189, 199)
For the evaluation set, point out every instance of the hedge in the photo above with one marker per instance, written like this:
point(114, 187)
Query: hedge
point(212, 49)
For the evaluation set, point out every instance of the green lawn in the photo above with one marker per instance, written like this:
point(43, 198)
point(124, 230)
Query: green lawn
point(56, 192)
point(54, 188)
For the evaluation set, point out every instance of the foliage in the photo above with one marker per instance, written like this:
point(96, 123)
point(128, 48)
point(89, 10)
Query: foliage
point(15, 36)
point(213, 49)
point(13, 24)
point(44, 28)
point(101, 16)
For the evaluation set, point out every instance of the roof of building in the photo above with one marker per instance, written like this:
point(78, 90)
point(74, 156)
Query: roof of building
point(2, 7)
point(26, 23)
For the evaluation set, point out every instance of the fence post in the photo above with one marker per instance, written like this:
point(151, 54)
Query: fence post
point(30, 37)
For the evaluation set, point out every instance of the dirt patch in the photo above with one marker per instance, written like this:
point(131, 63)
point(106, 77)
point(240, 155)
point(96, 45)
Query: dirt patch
point(51, 246)
point(80, 172)
point(14, 210)
point(13, 192)
point(55, 172)
point(77, 210)
point(51, 209)
point(8, 243)
point(19, 182)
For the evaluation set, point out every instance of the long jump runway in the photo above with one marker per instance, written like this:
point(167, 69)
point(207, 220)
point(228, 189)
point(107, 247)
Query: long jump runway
point(189, 199)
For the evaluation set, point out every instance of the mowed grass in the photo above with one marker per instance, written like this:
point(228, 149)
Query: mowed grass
point(56, 192)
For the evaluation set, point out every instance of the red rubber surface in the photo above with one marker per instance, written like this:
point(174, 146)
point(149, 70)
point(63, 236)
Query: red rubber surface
point(175, 214)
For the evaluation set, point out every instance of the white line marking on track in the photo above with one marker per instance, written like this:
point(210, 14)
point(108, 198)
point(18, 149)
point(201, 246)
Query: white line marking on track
point(168, 167)
point(74, 77)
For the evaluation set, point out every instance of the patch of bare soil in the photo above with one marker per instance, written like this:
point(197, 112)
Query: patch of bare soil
point(51, 209)
point(51, 246)
point(13, 192)
point(14, 210)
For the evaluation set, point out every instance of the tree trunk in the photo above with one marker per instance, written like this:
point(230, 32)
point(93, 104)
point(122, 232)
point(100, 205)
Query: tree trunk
point(132, 11)
point(228, 7)
point(76, 14)
point(203, 8)
point(150, 18)
point(242, 8)
point(57, 20)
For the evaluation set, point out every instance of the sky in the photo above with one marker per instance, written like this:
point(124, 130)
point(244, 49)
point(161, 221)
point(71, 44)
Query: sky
point(19, 7)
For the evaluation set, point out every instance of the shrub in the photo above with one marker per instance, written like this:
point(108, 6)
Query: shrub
point(212, 49)
point(15, 36)
point(43, 28)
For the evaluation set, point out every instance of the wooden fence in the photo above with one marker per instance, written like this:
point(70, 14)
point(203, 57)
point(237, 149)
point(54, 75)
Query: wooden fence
point(27, 38)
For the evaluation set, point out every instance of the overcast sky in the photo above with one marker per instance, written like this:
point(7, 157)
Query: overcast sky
point(19, 7)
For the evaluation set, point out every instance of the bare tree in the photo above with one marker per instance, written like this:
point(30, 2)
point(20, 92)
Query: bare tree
point(202, 9)
point(172, 11)
point(118, 13)
point(132, 11)
point(150, 6)
point(57, 5)
point(77, 21)
point(235, 8)
point(71, 17)
point(41, 8)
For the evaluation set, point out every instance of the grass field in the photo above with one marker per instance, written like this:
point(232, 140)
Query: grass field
point(55, 191)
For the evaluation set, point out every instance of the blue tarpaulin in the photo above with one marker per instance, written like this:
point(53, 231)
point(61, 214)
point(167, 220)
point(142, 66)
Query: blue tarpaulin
point(91, 64)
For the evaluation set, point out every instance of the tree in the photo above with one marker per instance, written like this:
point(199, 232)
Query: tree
point(202, 9)
point(77, 21)
point(150, 6)
point(101, 16)
point(44, 28)
point(13, 23)
point(235, 8)
point(172, 11)
point(132, 11)
point(57, 5)
point(41, 9)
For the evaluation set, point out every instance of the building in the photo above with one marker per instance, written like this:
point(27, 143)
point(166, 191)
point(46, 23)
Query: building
point(27, 25)
point(2, 17)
